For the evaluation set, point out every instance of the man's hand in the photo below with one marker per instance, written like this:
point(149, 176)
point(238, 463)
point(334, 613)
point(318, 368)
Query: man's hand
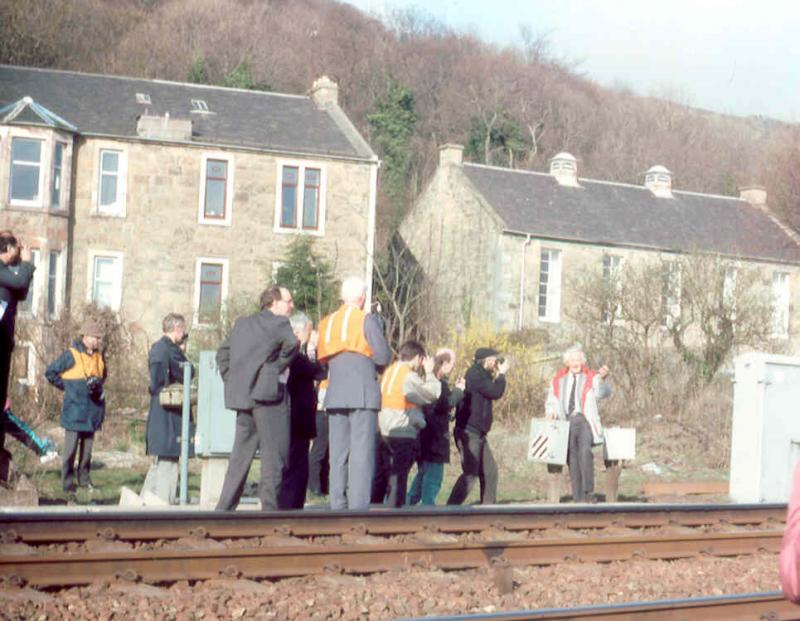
point(603, 372)
point(427, 363)
point(551, 416)
point(313, 340)
point(24, 253)
point(461, 384)
point(503, 367)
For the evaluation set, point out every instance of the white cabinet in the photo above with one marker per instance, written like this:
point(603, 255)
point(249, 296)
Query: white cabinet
point(765, 440)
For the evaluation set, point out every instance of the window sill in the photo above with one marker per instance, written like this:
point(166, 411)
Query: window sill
point(210, 222)
point(98, 214)
point(293, 231)
point(549, 320)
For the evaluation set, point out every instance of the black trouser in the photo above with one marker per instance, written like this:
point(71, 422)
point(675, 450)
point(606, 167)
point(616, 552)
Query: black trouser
point(477, 462)
point(6, 346)
point(580, 458)
point(77, 442)
point(394, 458)
point(265, 427)
point(293, 489)
point(318, 462)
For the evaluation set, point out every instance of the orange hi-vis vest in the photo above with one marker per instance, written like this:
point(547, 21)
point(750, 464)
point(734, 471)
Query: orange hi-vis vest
point(392, 396)
point(85, 365)
point(343, 331)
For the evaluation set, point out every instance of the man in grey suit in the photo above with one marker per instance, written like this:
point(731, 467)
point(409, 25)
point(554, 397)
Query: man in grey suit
point(353, 345)
point(253, 362)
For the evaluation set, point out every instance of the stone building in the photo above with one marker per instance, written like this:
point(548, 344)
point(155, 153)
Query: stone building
point(149, 196)
point(500, 245)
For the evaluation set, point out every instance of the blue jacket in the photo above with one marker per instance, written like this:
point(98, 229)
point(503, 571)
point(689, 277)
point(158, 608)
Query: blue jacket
point(80, 411)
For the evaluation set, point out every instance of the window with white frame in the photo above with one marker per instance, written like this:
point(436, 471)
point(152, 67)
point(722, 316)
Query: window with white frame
point(105, 279)
point(301, 198)
point(670, 293)
point(30, 304)
point(216, 189)
point(550, 285)
point(54, 283)
point(211, 289)
point(57, 177)
point(780, 302)
point(612, 276)
point(25, 178)
point(111, 182)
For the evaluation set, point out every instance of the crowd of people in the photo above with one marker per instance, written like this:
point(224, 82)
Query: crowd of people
point(329, 409)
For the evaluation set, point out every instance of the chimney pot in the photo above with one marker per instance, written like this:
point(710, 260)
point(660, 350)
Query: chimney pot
point(451, 154)
point(325, 91)
point(564, 167)
point(658, 179)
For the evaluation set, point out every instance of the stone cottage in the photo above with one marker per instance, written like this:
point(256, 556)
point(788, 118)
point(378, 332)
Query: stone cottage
point(148, 196)
point(498, 245)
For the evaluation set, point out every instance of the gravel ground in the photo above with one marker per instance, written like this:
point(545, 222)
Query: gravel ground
point(392, 595)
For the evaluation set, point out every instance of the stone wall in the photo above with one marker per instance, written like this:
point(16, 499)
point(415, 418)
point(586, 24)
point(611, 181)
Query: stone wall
point(474, 269)
point(160, 236)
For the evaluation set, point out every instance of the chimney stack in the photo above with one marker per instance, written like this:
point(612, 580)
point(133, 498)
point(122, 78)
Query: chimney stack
point(756, 195)
point(451, 154)
point(325, 91)
point(659, 181)
point(564, 167)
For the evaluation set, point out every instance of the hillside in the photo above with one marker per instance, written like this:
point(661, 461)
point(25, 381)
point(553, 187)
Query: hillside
point(411, 85)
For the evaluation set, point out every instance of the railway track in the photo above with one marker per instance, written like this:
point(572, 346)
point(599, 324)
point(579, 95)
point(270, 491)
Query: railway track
point(49, 550)
point(751, 606)
point(43, 527)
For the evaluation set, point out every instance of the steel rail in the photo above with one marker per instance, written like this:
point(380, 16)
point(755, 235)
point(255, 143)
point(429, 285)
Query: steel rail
point(66, 569)
point(42, 527)
point(771, 606)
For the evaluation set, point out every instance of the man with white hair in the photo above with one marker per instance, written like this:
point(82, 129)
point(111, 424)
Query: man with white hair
point(353, 345)
point(573, 396)
point(303, 373)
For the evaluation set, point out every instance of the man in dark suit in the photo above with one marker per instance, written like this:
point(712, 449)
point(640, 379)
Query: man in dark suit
point(253, 362)
point(14, 285)
point(303, 373)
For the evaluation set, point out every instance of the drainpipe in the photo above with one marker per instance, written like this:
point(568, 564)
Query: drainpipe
point(521, 316)
point(371, 218)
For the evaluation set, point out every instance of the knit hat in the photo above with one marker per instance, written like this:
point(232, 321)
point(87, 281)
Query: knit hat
point(92, 327)
point(484, 352)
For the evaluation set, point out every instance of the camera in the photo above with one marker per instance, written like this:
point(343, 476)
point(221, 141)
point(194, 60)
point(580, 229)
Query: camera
point(184, 338)
point(94, 385)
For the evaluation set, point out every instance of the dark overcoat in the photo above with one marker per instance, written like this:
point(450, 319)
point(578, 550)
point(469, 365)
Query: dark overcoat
point(164, 426)
point(434, 438)
point(303, 372)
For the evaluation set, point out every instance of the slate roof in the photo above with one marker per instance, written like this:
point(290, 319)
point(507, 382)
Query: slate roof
point(106, 105)
point(607, 213)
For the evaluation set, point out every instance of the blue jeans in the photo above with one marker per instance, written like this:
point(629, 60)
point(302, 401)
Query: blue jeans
point(426, 483)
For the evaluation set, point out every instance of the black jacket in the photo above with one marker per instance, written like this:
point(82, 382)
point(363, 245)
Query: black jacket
point(303, 395)
point(435, 437)
point(475, 411)
point(164, 426)
point(14, 283)
point(250, 361)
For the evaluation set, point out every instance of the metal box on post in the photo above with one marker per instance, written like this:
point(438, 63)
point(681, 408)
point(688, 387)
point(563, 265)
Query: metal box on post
point(215, 429)
point(765, 439)
point(215, 424)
